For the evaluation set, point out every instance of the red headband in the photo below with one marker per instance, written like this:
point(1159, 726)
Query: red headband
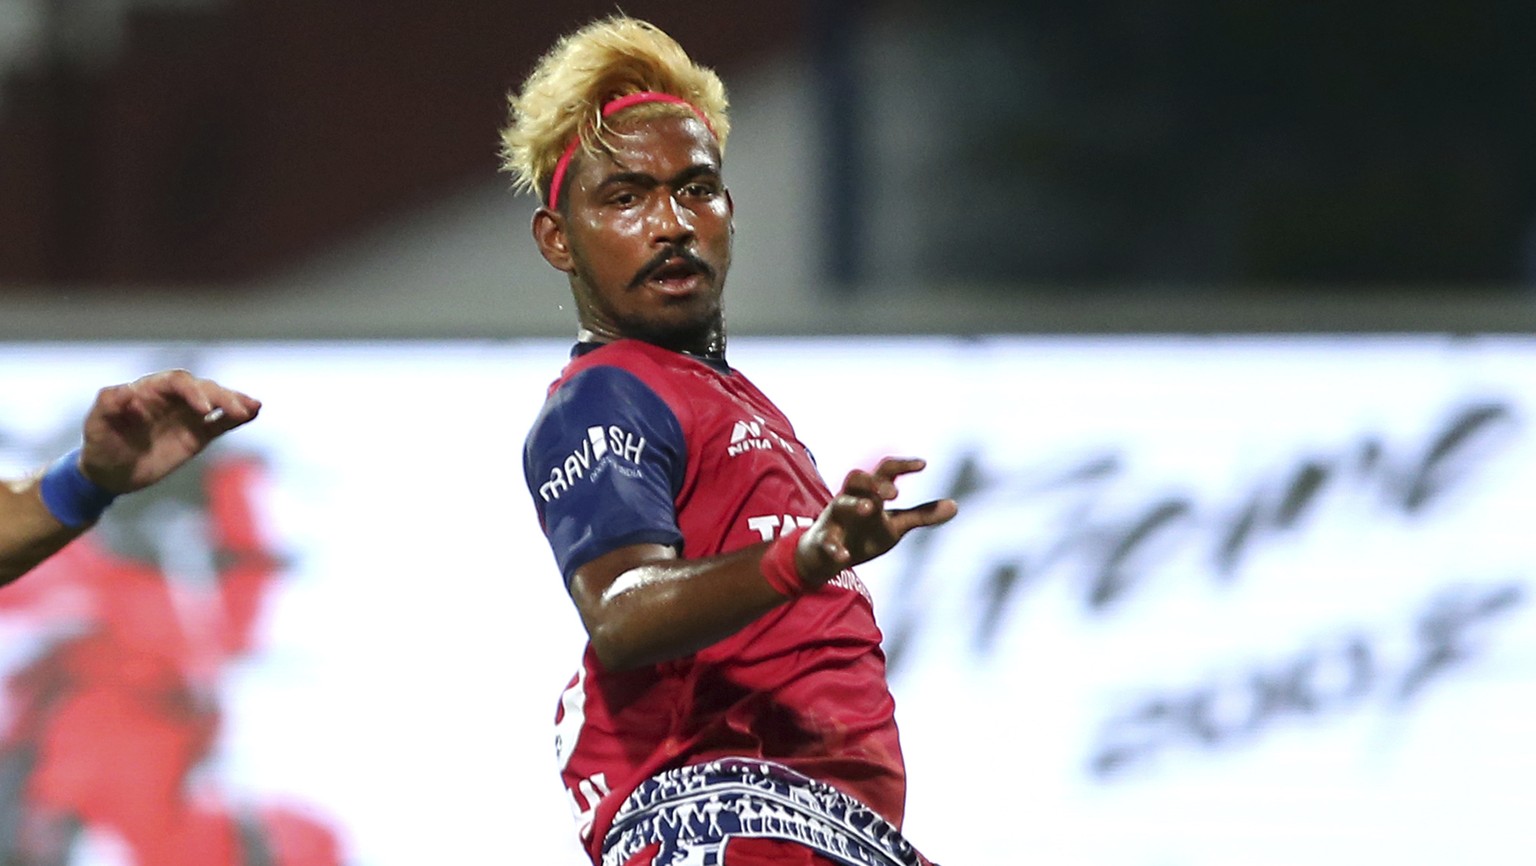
point(609, 109)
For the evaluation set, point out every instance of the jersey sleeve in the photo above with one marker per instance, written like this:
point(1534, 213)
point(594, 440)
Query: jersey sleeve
point(604, 463)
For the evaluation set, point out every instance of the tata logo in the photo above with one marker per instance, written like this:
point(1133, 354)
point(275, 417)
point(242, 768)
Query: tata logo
point(613, 446)
point(754, 435)
point(771, 526)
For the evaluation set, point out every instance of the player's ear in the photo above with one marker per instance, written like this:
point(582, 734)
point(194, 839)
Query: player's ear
point(549, 233)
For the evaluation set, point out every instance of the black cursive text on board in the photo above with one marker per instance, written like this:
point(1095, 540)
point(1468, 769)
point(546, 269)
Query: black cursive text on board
point(1331, 676)
point(1111, 544)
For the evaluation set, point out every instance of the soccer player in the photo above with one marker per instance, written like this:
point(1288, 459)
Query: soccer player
point(731, 705)
point(134, 435)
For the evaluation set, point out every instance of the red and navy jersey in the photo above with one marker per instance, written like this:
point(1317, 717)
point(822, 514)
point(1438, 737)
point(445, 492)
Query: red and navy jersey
point(638, 444)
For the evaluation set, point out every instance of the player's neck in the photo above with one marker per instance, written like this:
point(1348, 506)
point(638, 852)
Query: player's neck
point(710, 346)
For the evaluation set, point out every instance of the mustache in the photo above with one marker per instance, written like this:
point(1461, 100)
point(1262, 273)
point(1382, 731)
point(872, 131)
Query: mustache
point(661, 259)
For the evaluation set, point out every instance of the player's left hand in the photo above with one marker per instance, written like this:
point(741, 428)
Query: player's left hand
point(138, 433)
point(857, 526)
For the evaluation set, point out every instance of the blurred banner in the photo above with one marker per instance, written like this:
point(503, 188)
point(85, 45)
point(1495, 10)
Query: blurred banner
point(1259, 600)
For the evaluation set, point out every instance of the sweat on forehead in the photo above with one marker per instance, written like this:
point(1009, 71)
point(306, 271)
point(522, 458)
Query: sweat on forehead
point(610, 109)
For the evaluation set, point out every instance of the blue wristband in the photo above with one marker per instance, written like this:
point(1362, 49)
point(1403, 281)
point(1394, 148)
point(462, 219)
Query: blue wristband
point(71, 497)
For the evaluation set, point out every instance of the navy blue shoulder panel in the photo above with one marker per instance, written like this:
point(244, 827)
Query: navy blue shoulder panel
point(604, 463)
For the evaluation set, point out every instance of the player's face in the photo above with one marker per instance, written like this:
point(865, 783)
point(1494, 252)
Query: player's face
point(648, 229)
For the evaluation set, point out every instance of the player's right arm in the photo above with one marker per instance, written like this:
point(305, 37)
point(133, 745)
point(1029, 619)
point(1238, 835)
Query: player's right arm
point(613, 527)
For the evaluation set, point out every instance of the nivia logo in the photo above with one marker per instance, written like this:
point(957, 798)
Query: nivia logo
point(602, 448)
point(754, 435)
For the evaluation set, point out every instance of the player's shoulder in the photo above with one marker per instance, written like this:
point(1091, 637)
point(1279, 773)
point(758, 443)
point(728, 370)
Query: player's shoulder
point(603, 386)
point(596, 413)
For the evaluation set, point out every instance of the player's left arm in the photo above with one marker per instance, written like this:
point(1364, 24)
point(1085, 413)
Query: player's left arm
point(644, 603)
point(134, 435)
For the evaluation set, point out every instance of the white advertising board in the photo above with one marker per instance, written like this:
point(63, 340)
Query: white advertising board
point(1259, 600)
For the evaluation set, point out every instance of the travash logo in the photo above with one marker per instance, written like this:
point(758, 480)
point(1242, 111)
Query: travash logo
point(600, 450)
point(754, 435)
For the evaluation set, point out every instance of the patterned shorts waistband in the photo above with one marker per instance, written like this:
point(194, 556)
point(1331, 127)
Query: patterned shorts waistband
point(693, 811)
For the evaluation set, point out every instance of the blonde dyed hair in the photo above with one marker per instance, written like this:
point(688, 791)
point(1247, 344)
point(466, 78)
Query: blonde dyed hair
point(563, 98)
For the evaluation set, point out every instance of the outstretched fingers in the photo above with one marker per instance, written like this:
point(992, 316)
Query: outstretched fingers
point(860, 484)
point(880, 483)
point(892, 468)
point(857, 525)
point(904, 520)
point(865, 495)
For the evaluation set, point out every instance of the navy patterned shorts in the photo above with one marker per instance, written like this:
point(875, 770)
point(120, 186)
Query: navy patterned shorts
point(693, 811)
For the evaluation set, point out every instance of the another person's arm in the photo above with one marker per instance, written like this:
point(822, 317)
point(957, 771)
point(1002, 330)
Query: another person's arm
point(133, 436)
